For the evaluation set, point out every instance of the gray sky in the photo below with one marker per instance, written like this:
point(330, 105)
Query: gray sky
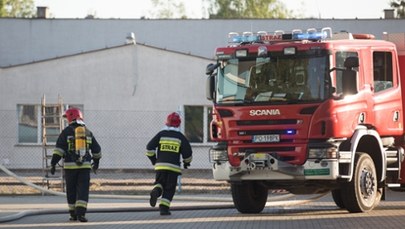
point(197, 8)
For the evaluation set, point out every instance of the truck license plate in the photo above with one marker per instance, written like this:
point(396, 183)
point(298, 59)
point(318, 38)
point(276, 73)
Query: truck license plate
point(259, 156)
point(266, 138)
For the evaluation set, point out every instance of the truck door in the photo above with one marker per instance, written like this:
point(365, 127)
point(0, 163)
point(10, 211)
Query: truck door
point(353, 108)
point(387, 97)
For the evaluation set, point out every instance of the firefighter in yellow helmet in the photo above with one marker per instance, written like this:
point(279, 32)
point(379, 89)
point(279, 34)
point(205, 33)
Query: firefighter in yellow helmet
point(164, 151)
point(78, 147)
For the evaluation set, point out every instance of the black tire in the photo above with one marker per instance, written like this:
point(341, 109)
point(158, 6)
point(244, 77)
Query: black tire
point(362, 193)
point(337, 197)
point(249, 196)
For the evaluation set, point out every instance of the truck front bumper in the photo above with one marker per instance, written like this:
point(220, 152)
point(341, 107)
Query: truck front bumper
point(270, 168)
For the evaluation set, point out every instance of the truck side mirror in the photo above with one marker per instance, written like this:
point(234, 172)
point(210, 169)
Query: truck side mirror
point(210, 68)
point(210, 84)
point(210, 87)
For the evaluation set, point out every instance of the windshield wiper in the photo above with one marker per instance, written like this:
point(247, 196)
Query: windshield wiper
point(238, 101)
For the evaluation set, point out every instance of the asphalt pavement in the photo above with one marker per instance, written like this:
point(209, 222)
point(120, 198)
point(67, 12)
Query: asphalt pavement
point(200, 211)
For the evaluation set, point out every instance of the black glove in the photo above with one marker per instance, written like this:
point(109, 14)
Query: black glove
point(94, 166)
point(53, 169)
point(186, 165)
point(153, 160)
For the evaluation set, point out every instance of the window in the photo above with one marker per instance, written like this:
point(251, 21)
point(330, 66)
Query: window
point(382, 71)
point(30, 123)
point(52, 122)
point(196, 125)
point(340, 61)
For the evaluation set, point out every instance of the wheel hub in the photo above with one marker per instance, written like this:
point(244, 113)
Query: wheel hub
point(367, 183)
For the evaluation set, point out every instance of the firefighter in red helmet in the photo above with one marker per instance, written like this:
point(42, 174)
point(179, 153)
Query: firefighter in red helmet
point(73, 114)
point(164, 151)
point(79, 148)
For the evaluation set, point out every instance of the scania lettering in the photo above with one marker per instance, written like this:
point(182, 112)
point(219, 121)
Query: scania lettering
point(308, 111)
point(264, 112)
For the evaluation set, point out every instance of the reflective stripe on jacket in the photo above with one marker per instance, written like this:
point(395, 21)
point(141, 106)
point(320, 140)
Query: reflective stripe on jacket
point(166, 148)
point(65, 149)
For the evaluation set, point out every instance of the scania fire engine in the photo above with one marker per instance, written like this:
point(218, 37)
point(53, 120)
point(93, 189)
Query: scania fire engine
point(308, 111)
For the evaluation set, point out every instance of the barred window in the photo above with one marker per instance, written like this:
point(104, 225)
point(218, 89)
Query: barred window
point(30, 123)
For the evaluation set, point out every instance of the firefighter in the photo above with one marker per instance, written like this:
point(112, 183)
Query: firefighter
point(78, 147)
point(164, 151)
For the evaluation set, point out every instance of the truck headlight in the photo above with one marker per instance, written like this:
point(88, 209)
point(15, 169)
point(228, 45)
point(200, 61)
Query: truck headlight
point(322, 153)
point(218, 155)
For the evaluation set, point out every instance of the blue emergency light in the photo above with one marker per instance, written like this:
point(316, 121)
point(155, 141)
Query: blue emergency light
point(244, 38)
point(310, 36)
point(296, 35)
point(290, 132)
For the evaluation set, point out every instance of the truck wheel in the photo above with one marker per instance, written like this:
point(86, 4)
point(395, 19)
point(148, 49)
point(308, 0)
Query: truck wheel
point(249, 196)
point(362, 193)
point(337, 197)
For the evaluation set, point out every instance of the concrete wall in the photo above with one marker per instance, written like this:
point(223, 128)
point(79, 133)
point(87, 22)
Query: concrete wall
point(28, 40)
point(126, 91)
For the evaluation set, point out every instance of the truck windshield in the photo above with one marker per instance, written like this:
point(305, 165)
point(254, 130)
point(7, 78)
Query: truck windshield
point(281, 79)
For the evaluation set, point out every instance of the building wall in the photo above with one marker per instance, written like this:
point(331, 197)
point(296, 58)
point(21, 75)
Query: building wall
point(40, 39)
point(126, 92)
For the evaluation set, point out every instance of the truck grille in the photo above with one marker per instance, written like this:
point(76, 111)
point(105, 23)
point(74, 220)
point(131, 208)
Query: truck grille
point(255, 132)
point(267, 149)
point(266, 122)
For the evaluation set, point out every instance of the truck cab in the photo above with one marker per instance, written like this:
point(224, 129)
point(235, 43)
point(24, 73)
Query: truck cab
point(309, 112)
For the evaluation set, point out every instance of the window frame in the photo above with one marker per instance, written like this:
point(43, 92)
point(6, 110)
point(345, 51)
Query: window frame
point(207, 111)
point(384, 69)
point(38, 123)
point(339, 59)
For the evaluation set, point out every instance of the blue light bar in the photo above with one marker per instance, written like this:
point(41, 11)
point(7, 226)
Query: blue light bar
point(310, 36)
point(264, 37)
point(240, 39)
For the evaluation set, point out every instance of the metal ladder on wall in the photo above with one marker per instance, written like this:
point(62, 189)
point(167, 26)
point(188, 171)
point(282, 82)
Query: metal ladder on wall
point(52, 125)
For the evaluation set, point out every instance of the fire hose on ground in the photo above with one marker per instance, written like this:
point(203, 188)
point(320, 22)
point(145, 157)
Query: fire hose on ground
point(25, 213)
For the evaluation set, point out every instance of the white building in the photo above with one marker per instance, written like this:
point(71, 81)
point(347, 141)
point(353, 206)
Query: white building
point(126, 93)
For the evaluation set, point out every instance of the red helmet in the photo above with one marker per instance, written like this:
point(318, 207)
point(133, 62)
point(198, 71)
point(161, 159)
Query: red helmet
point(173, 120)
point(72, 114)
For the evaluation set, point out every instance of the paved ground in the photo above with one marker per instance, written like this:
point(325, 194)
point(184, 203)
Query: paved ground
point(200, 212)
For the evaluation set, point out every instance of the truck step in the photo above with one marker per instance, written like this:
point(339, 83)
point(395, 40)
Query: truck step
point(392, 169)
point(391, 154)
point(391, 160)
point(393, 185)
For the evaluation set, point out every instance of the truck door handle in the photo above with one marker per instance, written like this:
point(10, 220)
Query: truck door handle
point(362, 117)
point(396, 116)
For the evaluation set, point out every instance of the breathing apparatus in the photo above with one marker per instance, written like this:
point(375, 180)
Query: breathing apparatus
point(80, 144)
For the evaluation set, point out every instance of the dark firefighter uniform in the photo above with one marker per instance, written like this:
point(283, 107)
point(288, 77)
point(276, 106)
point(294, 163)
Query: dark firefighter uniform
point(77, 167)
point(164, 151)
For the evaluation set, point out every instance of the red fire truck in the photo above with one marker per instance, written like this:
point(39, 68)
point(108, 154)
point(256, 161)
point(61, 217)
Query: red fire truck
point(309, 112)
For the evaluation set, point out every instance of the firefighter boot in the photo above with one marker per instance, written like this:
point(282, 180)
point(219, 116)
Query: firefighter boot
point(81, 218)
point(73, 216)
point(154, 195)
point(164, 210)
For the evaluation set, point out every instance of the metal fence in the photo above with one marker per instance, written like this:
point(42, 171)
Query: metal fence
point(124, 168)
